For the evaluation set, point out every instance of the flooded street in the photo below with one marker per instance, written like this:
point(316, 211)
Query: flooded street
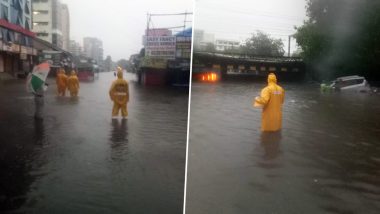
point(325, 160)
point(79, 160)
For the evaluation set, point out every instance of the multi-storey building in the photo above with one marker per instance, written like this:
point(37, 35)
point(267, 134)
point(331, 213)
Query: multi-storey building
point(93, 48)
point(225, 45)
point(75, 48)
point(202, 40)
point(16, 39)
point(47, 21)
point(65, 17)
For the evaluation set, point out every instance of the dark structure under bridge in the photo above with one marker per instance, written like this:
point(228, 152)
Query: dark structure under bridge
point(248, 67)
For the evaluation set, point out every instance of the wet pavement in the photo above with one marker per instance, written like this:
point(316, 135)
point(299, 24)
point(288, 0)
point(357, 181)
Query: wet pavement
point(325, 160)
point(79, 160)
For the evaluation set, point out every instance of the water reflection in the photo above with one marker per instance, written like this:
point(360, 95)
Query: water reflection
point(119, 132)
point(270, 141)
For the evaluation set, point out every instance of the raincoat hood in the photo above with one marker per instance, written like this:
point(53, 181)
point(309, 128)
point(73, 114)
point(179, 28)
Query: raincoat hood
point(119, 74)
point(272, 78)
point(73, 73)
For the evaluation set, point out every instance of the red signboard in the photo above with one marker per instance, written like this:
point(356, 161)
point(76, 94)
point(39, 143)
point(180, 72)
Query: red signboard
point(6, 24)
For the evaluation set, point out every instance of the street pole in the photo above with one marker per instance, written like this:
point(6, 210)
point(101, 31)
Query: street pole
point(289, 46)
point(184, 23)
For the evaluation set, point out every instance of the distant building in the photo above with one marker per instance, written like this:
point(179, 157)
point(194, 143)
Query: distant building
point(16, 39)
point(93, 48)
point(224, 44)
point(75, 48)
point(47, 21)
point(202, 39)
point(65, 18)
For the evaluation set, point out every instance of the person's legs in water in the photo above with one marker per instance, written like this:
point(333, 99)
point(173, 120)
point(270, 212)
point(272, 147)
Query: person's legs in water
point(39, 104)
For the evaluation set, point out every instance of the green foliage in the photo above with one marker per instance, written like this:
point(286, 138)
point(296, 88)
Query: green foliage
point(261, 44)
point(108, 63)
point(341, 37)
point(123, 63)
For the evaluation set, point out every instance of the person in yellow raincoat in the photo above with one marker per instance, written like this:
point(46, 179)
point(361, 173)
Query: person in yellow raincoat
point(271, 100)
point(61, 81)
point(119, 94)
point(73, 84)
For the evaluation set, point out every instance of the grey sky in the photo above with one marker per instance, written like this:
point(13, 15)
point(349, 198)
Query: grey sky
point(120, 24)
point(237, 19)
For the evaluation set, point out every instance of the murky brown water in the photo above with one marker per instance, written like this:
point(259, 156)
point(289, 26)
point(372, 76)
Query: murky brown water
point(79, 160)
point(325, 160)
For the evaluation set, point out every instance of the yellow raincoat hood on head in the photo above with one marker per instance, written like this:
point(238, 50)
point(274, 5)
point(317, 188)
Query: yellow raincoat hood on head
point(120, 74)
point(272, 78)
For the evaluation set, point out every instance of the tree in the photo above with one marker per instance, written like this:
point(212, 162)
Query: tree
point(261, 44)
point(340, 38)
point(108, 63)
point(123, 63)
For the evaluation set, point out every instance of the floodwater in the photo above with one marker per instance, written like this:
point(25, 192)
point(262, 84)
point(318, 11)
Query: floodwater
point(79, 160)
point(326, 159)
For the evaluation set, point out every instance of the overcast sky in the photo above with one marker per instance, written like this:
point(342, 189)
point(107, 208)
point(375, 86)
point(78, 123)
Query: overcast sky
point(237, 19)
point(120, 24)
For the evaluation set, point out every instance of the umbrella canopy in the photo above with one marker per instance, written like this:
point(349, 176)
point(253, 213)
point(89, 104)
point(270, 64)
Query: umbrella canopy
point(37, 78)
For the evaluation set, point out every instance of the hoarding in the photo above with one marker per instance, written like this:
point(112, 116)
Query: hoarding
point(183, 47)
point(158, 63)
point(158, 32)
point(160, 46)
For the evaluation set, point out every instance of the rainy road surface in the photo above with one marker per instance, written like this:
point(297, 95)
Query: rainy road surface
point(79, 160)
point(325, 160)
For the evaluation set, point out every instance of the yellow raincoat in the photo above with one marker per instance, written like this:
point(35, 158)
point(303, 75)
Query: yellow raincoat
point(119, 94)
point(73, 84)
point(271, 99)
point(61, 81)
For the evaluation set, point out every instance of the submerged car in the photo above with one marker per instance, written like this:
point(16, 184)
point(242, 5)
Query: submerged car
point(351, 83)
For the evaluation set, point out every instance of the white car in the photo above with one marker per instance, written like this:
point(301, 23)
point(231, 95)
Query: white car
point(351, 83)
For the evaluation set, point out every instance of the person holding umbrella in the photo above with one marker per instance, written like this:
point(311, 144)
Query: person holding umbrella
point(36, 84)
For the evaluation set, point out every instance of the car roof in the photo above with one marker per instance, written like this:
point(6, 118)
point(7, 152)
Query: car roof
point(349, 77)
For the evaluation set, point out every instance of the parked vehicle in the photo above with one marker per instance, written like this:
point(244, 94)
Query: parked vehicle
point(351, 83)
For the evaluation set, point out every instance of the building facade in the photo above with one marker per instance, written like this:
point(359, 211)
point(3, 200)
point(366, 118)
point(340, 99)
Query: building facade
point(93, 48)
point(202, 40)
point(75, 48)
point(225, 45)
point(17, 55)
point(65, 17)
point(47, 21)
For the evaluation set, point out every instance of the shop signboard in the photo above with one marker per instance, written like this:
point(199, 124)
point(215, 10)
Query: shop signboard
point(23, 56)
point(7, 47)
point(160, 46)
point(54, 56)
point(23, 50)
point(158, 63)
point(158, 32)
point(15, 48)
point(183, 47)
point(29, 50)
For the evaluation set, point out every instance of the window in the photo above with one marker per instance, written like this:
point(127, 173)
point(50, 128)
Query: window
point(40, 23)
point(4, 12)
point(27, 26)
point(40, 12)
point(26, 8)
point(42, 34)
